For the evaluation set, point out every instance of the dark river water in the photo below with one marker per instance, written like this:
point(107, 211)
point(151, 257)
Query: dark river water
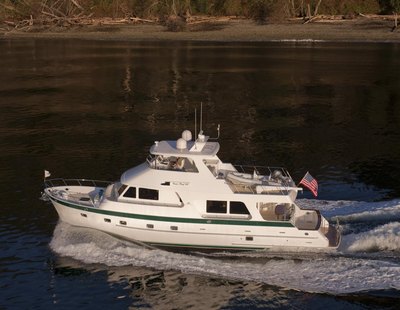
point(92, 109)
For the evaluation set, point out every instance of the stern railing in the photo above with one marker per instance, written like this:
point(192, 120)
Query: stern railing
point(265, 171)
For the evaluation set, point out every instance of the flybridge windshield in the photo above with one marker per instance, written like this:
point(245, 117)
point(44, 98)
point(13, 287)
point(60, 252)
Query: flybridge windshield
point(172, 163)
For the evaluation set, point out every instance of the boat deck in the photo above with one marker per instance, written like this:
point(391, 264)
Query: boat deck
point(80, 191)
point(248, 189)
point(252, 179)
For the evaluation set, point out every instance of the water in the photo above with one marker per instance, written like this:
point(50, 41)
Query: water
point(91, 109)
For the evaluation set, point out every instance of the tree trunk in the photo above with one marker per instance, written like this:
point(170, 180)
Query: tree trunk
point(308, 11)
point(317, 7)
point(174, 7)
point(395, 21)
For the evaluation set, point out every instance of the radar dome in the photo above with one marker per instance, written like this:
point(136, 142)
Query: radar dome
point(187, 135)
point(181, 144)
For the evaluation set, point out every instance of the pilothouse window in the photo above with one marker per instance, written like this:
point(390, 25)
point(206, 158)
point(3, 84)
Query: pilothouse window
point(147, 193)
point(216, 206)
point(238, 207)
point(131, 192)
point(121, 188)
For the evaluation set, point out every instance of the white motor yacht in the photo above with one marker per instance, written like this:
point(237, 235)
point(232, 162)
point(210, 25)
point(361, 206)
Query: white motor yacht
point(184, 196)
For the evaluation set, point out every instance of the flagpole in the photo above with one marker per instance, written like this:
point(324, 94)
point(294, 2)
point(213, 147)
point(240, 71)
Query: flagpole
point(46, 174)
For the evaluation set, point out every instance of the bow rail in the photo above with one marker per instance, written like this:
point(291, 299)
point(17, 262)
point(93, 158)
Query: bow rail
point(75, 182)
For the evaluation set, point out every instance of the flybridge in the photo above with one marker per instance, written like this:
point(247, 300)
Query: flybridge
point(183, 147)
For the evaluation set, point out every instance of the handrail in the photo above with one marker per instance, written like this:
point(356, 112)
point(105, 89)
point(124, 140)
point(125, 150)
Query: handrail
point(272, 189)
point(75, 182)
point(258, 168)
point(277, 174)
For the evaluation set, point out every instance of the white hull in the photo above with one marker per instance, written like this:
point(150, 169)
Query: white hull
point(189, 232)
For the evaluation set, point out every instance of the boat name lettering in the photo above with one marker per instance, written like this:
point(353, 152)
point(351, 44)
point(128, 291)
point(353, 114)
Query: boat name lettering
point(180, 183)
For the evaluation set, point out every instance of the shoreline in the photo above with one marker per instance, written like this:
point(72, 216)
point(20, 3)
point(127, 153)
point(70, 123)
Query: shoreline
point(354, 30)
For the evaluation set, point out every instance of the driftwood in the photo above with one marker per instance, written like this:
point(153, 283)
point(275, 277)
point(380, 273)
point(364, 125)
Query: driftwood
point(9, 23)
point(201, 20)
point(342, 18)
point(140, 20)
point(310, 18)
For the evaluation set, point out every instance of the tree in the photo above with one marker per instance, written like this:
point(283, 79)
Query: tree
point(395, 4)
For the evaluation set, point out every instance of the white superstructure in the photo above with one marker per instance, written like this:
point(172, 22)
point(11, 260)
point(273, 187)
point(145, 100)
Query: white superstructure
point(183, 195)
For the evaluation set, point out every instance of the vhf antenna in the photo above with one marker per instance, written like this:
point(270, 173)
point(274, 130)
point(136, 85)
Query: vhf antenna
point(201, 118)
point(195, 124)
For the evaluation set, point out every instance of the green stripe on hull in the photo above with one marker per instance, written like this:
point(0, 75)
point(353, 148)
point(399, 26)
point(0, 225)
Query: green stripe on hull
point(172, 219)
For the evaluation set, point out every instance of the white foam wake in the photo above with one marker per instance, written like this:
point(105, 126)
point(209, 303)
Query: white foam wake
point(383, 238)
point(320, 273)
point(356, 211)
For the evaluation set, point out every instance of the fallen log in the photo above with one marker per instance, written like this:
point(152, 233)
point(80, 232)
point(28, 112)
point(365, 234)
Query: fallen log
point(8, 23)
point(137, 19)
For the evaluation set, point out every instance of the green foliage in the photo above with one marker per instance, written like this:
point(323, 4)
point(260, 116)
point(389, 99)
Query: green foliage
point(329, 7)
point(260, 9)
point(337, 7)
point(20, 9)
point(175, 23)
point(390, 6)
point(199, 6)
point(103, 8)
point(395, 5)
point(228, 7)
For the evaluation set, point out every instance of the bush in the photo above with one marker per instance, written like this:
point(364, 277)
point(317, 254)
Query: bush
point(175, 23)
point(337, 7)
point(259, 10)
point(389, 6)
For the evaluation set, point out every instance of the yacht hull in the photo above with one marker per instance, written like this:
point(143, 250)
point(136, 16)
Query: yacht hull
point(189, 233)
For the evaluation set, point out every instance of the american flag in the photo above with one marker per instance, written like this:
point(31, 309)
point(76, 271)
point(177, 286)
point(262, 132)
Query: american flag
point(311, 183)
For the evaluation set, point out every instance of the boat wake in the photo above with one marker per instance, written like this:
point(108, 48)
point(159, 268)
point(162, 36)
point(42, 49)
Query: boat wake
point(367, 260)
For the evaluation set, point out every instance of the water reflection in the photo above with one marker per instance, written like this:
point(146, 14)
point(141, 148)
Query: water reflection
point(92, 109)
point(147, 288)
point(141, 287)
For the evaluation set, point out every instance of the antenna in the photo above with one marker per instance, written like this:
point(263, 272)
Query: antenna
point(195, 123)
point(218, 130)
point(201, 118)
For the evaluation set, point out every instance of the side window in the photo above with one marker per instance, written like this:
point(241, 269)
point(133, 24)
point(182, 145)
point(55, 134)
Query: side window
point(216, 206)
point(238, 207)
point(147, 193)
point(131, 192)
point(121, 189)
